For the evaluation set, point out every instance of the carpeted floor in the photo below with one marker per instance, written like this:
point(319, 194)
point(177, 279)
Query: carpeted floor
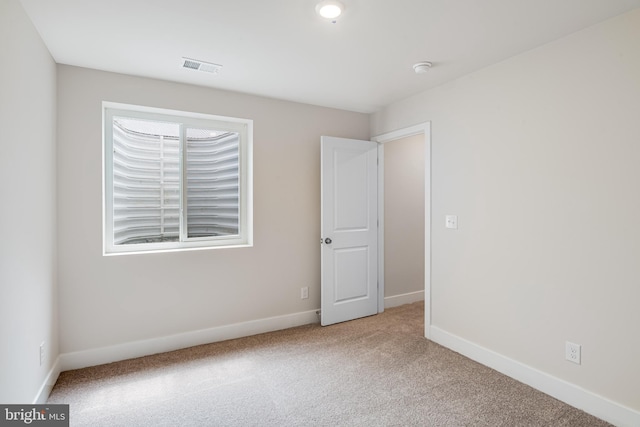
point(377, 371)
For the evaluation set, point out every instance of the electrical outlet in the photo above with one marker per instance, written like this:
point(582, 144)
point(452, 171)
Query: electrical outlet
point(41, 353)
point(572, 352)
point(304, 292)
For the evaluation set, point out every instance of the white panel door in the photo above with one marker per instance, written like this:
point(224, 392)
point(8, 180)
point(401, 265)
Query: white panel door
point(349, 287)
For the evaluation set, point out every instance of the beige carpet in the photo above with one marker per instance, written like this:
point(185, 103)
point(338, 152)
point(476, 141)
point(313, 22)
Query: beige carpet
point(377, 371)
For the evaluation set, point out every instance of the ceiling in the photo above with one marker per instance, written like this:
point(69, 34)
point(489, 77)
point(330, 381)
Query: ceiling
point(282, 49)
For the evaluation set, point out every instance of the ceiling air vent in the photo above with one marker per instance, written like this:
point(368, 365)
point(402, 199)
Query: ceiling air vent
point(207, 67)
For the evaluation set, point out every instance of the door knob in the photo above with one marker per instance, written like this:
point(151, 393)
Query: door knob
point(327, 241)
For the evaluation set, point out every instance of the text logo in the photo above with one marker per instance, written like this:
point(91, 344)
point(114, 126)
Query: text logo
point(34, 415)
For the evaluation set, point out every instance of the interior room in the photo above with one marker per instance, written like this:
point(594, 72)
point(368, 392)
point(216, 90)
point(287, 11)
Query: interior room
point(507, 141)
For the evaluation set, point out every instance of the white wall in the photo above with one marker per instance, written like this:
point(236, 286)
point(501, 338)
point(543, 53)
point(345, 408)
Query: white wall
point(106, 301)
point(404, 216)
point(540, 157)
point(28, 305)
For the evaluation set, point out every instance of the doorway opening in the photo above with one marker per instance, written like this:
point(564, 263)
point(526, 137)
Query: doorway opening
point(398, 226)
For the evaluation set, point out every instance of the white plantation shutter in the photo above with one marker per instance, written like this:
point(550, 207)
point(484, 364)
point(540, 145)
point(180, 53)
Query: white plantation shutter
point(170, 182)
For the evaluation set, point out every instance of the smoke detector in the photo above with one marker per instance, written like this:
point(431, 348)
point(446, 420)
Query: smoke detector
point(194, 64)
point(422, 67)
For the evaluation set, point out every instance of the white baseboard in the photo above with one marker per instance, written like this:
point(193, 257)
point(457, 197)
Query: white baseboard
point(47, 385)
point(130, 350)
point(396, 300)
point(569, 393)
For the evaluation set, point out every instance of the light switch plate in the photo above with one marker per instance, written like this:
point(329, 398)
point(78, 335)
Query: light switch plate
point(451, 221)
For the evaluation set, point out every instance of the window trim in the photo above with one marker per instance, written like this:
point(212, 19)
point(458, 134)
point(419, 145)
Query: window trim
point(245, 129)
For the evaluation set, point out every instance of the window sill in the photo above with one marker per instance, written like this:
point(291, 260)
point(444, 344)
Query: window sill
point(184, 249)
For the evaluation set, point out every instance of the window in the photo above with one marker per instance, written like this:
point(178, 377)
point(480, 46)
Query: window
point(175, 180)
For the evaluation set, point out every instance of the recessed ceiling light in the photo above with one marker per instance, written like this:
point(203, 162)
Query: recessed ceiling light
point(329, 9)
point(422, 67)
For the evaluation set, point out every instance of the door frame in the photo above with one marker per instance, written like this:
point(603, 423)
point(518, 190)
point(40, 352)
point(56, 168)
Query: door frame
point(425, 129)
